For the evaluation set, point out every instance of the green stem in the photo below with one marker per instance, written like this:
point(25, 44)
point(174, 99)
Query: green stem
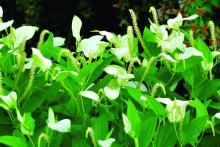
point(147, 68)
point(83, 108)
point(32, 143)
point(136, 142)
point(177, 135)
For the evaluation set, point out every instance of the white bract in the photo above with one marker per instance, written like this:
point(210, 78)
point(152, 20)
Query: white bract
point(60, 126)
point(106, 143)
point(90, 94)
point(175, 109)
point(121, 49)
point(76, 27)
point(175, 40)
point(91, 47)
point(112, 90)
point(176, 22)
point(8, 101)
point(118, 72)
point(127, 124)
point(23, 34)
point(58, 41)
point(5, 25)
point(42, 62)
point(217, 115)
point(1, 12)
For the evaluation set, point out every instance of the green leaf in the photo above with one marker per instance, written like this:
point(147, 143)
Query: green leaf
point(86, 72)
point(166, 136)
point(147, 132)
point(156, 107)
point(135, 94)
point(202, 47)
point(186, 64)
point(206, 89)
point(149, 36)
point(194, 129)
point(200, 108)
point(215, 3)
point(133, 117)
point(13, 141)
point(76, 27)
point(193, 75)
point(48, 50)
point(99, 69)
point(27, 127)
point(100, 126)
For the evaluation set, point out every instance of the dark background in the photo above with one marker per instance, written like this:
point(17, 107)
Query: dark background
point(110, 15)
point(56, 15)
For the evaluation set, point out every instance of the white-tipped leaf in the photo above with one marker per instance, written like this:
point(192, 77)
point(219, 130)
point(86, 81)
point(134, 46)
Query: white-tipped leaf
point(90, 94)
point(127, 124)
point(112, 90)
point(76, 27)
point(5, 25)
point(60, 126)
point(1, 12)
point(42, 62)
point(58, 41)
point(23, 34)
point(106, 143)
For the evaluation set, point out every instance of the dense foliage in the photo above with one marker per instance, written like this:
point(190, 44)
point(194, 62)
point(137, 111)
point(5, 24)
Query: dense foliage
point(115, 90)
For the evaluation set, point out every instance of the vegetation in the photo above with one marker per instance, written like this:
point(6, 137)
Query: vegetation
point(156, 88)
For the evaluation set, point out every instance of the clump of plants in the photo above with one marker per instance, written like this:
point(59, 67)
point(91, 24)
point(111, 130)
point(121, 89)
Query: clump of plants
point(115, 90)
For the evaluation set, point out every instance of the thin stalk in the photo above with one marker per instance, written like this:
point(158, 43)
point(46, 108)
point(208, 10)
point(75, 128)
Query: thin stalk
point(32, 143)
point(145, 71)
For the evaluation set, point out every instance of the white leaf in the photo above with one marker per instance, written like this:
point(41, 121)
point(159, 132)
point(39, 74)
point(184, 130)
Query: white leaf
point(106, 143)
point(61, 126)
point(115, 70)
point(112, 90)
point(109, 36)
point(51, 119)
point(9, 100)
point(90, 94)
point(42, 62)
point(5, 25)
point(190, 51)
point(76, 27)
point(175, 109)
point(1, 12)
point(191, 17)
point(58, 41)
point(23, 34)
point(127, 124)
point(91, 46)
point(217, 115)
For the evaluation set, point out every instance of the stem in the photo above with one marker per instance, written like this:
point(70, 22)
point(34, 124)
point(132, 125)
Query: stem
point(50, 139)
point(174, 125)
point(210, 74)
point(31, 140)
point(138, 33)
point(83, 108)
point(136, 142)
point(146, 71)
point(40, 138)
